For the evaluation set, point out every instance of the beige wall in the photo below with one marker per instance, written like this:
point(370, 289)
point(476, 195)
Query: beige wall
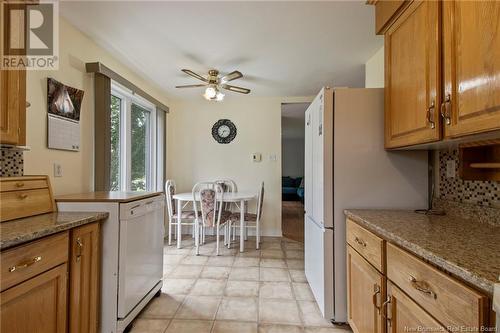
point(193, 155)
point(75, 50)
point(374, 70)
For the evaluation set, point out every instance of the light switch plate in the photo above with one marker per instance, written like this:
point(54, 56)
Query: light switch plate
point(58, 171)
point(273, 157)
point(450, 169)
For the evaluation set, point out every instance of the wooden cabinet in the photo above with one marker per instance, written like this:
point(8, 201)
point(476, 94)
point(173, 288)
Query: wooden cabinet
point(36, 305)
point(365, 294)
point(13, 107)
point(84, 279)
point(471, 67)
point(404, 315)
point(412, 73)
point(449, 301)
point(419, 297)
point(13, 94)
point(25, 196)
point(442, 63)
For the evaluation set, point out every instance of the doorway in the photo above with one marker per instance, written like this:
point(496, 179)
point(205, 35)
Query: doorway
point(292, 170)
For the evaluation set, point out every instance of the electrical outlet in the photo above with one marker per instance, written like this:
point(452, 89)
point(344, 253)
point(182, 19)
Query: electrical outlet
point(58, 171)
point(450, 169)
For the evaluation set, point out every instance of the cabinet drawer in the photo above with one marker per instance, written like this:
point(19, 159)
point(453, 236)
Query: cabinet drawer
point(449, 301)
point(371, 247)
point(25, 261)
point(17, 204)
point(20, 185)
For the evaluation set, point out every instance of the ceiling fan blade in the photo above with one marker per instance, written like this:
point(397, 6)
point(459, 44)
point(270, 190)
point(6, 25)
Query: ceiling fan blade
point(191, 86)
point(236, 89)
point(231, 76)
point(193, 74)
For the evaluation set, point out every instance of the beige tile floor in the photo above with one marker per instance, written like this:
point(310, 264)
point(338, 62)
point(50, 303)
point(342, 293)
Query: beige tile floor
point(262, 291)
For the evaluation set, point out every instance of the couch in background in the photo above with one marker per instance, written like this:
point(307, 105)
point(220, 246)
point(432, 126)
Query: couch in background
point(292, 189)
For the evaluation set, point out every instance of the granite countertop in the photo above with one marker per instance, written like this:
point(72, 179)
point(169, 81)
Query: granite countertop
point(26, 229)
point(106, 196)
point(467, 249)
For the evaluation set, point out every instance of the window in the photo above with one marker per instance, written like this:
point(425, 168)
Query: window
point(133, 142)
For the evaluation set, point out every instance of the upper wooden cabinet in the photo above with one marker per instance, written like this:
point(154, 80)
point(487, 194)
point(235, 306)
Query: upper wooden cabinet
point(12, 95)
point(13, 107)
point(412, 73)
point(442, 68)
point(471, 67)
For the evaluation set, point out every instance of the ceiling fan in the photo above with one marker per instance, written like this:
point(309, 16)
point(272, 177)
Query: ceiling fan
point(214, 84)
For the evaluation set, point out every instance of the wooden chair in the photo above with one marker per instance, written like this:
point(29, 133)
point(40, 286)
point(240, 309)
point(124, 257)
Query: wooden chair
point(251, 220)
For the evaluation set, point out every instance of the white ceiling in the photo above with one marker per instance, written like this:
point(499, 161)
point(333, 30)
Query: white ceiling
point(282, 48)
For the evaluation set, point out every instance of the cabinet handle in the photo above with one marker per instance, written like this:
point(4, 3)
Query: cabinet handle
point(375, 298)
point(25, 264)
point(386, 311)
point(445, 109)
point(421, 286)
point(79, 249)
point(22, 196)
point(360, 241)
point(20, 184)
point(430, 115)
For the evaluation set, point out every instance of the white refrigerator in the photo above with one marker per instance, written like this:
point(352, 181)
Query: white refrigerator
point(346, 166)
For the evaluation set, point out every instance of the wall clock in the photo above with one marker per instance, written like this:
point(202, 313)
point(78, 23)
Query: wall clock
point(224, 131)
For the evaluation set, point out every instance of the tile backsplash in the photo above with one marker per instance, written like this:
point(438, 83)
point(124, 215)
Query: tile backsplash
point(11, 162)
point(483, 193)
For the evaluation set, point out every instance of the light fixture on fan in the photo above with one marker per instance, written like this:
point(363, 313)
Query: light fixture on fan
point(212, 93)
point(214, 84)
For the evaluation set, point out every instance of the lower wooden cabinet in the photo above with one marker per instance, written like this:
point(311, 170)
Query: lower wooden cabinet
point(407, 294)
point(404, 315)
point(365, 293)
point(84, 279)
point(48, 286)
point(36, 305)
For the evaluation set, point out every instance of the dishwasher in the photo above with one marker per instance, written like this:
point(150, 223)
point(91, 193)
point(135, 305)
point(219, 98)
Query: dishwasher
point(141, 251)
point(132, 251)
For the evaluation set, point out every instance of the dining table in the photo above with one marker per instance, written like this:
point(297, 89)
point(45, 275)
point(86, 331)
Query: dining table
point(240, 197)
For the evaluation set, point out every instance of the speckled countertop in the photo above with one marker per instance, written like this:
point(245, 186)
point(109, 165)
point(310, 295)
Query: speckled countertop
point(23, 230)
point(467, 249)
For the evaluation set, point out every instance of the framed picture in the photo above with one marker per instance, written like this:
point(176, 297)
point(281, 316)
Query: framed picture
point(63, 101)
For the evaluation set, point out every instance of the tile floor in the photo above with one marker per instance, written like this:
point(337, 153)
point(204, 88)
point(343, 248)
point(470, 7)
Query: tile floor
point(262, 291)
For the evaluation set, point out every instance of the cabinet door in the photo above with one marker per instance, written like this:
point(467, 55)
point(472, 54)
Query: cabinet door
point(36, 305)
point(365, 292)
point(84, 279)
point(404, 315)
point(13, 107)
point(412, 72)
point(471, 102)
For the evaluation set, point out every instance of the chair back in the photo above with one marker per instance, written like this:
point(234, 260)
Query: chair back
point(209, 195)
point(260, 201)
point(169, 194)
point(228, 186)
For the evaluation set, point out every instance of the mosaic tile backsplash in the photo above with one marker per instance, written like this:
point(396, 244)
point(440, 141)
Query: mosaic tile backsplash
point(483, 193)
point(11, 163)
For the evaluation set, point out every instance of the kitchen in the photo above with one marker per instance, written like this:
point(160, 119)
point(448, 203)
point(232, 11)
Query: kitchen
point(401, 207)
